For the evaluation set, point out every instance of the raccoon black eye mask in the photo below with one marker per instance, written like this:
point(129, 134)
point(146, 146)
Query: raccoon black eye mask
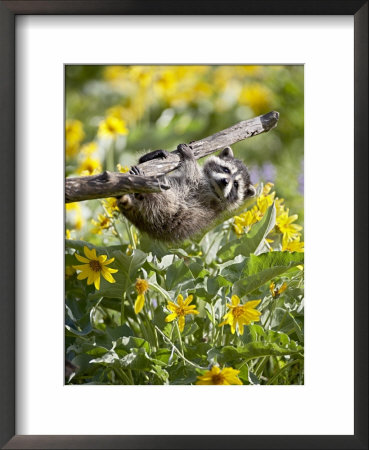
point(197, 197)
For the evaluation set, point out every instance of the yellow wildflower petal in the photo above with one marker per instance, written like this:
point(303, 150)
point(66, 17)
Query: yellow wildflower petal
point(172, 306)
point(181, 323)
point(252, 304)
point(82, 275)
point(171, 317)
point(180, 300)
point(97, 282)
point(91, 277)
point(109, 261)
point(91, 254)
point(235, 300)
point(191, 312)
point(81, 258)
point(139, 304)
point(189, 300)
point(282, 288)
point(107, 275)
point(102, 258)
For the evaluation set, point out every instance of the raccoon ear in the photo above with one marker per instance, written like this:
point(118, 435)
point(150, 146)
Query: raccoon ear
point(226, 153)
point(250, 191)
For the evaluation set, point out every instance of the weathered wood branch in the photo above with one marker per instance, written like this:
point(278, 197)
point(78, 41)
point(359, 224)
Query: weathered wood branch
point(113, 184)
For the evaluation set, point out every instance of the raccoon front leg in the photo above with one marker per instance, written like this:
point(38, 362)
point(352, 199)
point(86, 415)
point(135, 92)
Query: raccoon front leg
point(189, 166)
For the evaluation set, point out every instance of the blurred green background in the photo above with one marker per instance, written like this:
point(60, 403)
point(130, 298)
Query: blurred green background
point(116, 113)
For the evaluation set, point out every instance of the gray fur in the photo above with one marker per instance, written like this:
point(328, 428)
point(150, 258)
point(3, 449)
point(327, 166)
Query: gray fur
point(197, 197)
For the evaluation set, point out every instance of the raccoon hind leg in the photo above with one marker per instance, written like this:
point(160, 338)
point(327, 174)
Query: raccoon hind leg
point(153, 155)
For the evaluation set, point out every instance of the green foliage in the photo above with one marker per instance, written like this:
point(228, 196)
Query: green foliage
point(110, 344)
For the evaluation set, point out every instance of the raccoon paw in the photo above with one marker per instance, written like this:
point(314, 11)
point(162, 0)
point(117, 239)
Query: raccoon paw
point(125, 202)
point(135, 170)
point(185, 151)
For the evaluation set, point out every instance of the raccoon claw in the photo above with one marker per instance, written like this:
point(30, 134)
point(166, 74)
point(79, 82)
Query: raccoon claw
point(136, 171)
point(154, 155)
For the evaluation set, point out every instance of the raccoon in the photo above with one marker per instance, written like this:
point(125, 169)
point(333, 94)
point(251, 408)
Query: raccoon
point(196, 199)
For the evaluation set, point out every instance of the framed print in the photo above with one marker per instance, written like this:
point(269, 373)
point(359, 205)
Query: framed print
point(157, 305)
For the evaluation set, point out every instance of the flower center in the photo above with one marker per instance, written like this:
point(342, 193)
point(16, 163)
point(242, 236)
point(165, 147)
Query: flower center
point(141, 286)
point(237, 312)
point(217, 379)
point(95, 265)
point(180, 311)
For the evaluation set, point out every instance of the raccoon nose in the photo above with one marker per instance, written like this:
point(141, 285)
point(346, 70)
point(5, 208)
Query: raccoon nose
point(224, 181)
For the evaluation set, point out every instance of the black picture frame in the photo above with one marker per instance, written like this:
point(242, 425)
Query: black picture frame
point(8, 12)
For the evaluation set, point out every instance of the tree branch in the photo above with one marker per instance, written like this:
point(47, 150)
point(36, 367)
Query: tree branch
point(113, 184)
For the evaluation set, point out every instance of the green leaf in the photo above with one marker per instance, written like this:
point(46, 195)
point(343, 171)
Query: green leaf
point(130, 264)
point(130, 342)
point(78, 245)
point(215, 284)
point(210, 244)
point(138, 359)
point(256, 350)
point(263, 268)
point(177, 273)
point(197, 270)
point(253, 241)
point(233, 271)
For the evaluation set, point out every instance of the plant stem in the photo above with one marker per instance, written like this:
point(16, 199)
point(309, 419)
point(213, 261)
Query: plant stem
point(110, 166)
point(178, 352)
point(291, 363)
point(179, 337)
point(122, 318)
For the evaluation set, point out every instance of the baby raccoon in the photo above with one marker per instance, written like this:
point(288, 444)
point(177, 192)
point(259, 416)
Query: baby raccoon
point(196, 198)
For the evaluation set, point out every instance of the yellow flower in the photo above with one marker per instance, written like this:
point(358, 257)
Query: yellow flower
point(264, 201)
point(111, 127)
point(290, 230)
point(267, 188)
point(110, 205)
point(141, 287)
point(89, 166)
point(241, 314)
point(293, 246)
point(69, 271)
point(112, 73)
point(75, 214)
point(181, 310)
point(257, 97)
point(89, 149)
point(93, 266)
point(277, 292)
point(103, 223)
point(68, 234)
point(122, 169)
point(74, 134)
point(226, 376)
point(244, 220)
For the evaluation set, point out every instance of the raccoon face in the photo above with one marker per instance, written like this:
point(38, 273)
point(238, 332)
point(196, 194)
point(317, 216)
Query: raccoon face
point(229, 178)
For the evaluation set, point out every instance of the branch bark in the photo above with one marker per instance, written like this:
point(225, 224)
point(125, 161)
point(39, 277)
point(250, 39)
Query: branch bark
point(113, 184)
